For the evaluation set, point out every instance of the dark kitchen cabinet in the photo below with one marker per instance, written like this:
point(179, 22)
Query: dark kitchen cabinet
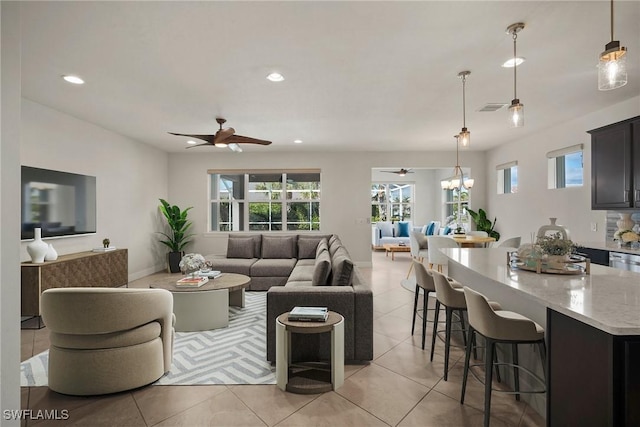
point(615, 165)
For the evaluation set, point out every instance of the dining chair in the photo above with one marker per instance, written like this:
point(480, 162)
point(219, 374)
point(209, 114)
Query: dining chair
point(435, 256)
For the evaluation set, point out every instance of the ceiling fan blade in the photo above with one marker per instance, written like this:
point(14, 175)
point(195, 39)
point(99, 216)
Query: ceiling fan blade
point(239, 139)
point(222, 135)
point(208, 138)
point(198, 145)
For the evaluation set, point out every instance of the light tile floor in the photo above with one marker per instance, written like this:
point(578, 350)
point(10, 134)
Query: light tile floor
point(400, 387)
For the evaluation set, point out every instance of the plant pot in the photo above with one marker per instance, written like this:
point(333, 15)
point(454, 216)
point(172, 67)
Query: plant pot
point(174, 261)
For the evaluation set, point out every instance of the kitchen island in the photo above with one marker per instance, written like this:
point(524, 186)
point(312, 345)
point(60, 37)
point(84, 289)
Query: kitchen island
point(592, 325)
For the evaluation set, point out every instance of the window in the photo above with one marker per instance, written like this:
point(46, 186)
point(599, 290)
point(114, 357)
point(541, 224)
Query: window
point(565, 167)
point(391, 201)
point(265, 201)
point(454, 211)
point(507, 177)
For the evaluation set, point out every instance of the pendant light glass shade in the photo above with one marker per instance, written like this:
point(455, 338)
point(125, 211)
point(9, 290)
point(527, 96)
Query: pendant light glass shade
point(516, 109)
point(516, 114)
point(612, 68)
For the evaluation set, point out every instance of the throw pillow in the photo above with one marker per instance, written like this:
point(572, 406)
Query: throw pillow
point(240, 247)
point(334, 246)
point(403, 229)
point(322, 246)
point(446, 230)
point(431, 228)
point(278, 247)
point(341, 268)
point(386, 229)
point(255, 238)
point(307, 247)
point(322, 269)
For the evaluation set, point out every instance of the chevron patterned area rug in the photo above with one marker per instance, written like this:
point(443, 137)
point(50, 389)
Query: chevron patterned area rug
point(233, 355)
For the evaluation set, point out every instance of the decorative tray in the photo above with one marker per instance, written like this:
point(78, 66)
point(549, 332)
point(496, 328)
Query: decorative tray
point(576, 264)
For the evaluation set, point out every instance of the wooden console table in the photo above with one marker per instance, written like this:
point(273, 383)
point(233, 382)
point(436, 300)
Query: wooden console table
point(83, 269)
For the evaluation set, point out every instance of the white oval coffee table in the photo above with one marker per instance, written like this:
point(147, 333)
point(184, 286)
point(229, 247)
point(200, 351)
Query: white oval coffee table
point(206, 307)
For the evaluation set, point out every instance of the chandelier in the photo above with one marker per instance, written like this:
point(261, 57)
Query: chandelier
point(459, 181)
point(612, 67)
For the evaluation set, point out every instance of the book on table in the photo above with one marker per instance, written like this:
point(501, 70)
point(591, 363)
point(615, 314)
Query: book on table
point(211, 274)
point(192, 282)
point(309, 314)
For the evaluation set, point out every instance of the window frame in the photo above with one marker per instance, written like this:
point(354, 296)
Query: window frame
point(506, 173)
point(242, 204)
point(557, 170)
point(389, 202)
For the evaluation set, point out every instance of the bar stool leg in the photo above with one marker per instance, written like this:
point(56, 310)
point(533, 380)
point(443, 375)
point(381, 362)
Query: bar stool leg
point(495, 360)
point(415, 308)
point(435, 327)
point(462, 327)
point(424, 316)
point(516, 371)
point(447, 340)
point(467, 355)
point(488, 367)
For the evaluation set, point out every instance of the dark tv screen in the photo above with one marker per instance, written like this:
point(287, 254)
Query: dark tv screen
point(59, 203)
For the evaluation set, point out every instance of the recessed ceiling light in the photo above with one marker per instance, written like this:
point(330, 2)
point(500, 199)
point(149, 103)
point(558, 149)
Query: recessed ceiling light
point(297, 141)
point(509, 62)
point(73, 79)
point(191, 142)
point(275, 77)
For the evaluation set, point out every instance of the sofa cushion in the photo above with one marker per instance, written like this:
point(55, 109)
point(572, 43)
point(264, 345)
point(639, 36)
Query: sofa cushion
point(322, 246)
point(301, 273)
point(322, 269)
point(386, 229)
point(403, 229)
point(139, 335)
point(298, 283)
point(232, 265)
point(341, 268)
point(306, 262)
point(278, 247)
point(431, 228)
point(307, 246)
point(256, 239)
point(273, 267)
point(240, 247)
point(334, 246)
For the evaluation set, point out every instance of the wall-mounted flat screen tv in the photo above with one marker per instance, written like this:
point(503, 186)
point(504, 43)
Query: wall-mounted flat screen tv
point(59, 203)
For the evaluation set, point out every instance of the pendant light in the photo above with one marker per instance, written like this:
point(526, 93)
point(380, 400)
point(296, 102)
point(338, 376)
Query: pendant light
point(465, 135)
point(612, 67)
point(516, 109)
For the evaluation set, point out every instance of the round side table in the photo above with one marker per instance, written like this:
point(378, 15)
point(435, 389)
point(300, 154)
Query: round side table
point(310, 377)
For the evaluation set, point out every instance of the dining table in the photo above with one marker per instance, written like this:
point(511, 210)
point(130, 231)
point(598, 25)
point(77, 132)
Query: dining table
point(470, 241)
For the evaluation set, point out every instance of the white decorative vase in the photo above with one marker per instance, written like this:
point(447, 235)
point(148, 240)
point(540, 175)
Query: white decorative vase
point(37, 249)
point(51, 254)
point(553, 228)
point(625, 222)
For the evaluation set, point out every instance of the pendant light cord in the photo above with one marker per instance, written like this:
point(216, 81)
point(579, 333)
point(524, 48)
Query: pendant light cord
point(464, 114)
point(515, 36)
point(611, 20)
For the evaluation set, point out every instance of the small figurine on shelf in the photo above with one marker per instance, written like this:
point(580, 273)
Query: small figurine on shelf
point(105, 243)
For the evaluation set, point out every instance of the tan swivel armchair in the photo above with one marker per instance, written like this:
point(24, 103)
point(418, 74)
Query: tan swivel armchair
point(106, 340)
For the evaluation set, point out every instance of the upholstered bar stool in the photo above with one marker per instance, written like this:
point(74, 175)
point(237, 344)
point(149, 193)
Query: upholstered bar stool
point(452, 298)
point(499, 327)
point(424, 281)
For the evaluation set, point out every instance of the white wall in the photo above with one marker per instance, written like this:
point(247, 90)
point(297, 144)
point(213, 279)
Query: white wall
point(9, 216)
point(346, 187)
point(522, 213)
point(130, 178)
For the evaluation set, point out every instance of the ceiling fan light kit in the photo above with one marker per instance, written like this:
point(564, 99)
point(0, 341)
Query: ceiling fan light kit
point(516, 109)
point(612, 66)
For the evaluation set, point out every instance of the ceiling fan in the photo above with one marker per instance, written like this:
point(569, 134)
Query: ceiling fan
point(224, 138)
point(401, 172)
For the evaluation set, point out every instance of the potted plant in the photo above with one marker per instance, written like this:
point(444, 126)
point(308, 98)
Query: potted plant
point(177, 238)
point(556, 249)
point(483, 224)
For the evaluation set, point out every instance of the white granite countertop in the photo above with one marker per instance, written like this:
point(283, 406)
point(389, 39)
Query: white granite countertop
point(607, 299)
point(609, 246)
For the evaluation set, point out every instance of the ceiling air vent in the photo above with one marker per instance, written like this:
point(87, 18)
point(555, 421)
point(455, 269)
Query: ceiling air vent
point(491, 107)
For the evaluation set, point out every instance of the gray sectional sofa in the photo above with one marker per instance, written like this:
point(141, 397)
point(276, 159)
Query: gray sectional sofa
point(305, 270)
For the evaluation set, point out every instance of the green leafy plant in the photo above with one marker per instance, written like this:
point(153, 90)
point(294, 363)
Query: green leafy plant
point(484, 224)
point(178, 237)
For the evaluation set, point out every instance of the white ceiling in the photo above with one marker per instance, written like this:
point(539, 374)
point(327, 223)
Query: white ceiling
point(359, 75)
